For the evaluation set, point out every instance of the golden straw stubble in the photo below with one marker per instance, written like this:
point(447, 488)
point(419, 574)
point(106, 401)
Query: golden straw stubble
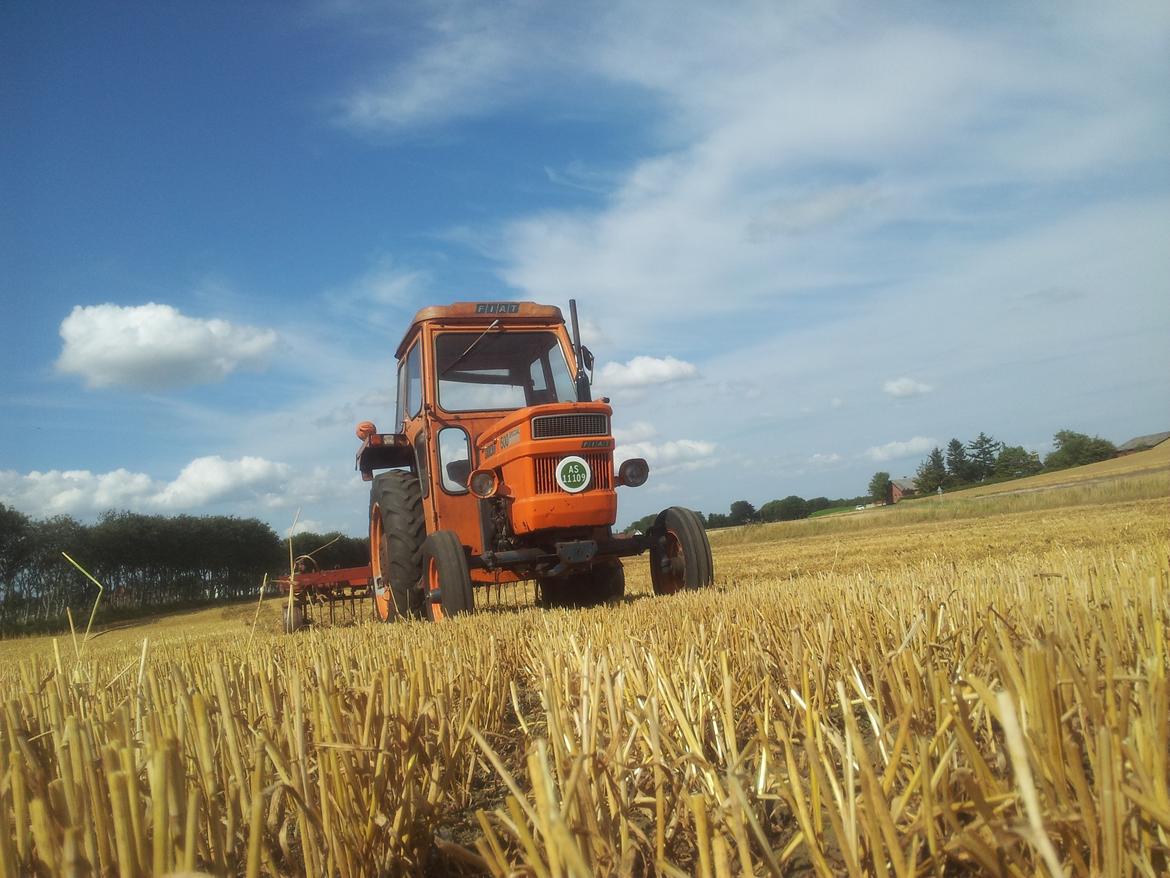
point(987, 694)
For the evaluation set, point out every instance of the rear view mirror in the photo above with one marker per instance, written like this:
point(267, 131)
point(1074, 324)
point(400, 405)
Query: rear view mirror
point(587, 361)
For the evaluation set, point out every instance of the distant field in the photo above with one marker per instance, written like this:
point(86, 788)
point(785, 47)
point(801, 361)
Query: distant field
point(1155, 460)
point(962, 685)
point(833, 510)
point(1136, 477)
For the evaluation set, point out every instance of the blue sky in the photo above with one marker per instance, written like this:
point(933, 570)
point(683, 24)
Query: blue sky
point(809, 240)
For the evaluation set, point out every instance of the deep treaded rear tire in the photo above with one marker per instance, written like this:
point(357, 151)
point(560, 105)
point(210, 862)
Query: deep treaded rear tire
point(446, 577)
point(397, 523)
point(682, 558)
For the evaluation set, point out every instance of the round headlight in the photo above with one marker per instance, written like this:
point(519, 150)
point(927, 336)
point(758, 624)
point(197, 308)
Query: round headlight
point(633, 472)
point(483, 483)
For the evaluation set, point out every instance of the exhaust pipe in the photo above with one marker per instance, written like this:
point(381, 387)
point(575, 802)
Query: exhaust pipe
point(584, 393)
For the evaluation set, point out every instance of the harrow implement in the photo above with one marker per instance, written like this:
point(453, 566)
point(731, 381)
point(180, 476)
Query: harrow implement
point(310, 594)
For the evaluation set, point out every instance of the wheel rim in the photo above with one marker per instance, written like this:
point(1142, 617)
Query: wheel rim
point(383, 600)
point(435, 606)
point(673, 570)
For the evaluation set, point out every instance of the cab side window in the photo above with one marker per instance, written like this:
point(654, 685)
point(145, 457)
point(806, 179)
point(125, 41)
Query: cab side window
point(400, 408)
point(409, 386)
point(414, 380)
point(454, 459)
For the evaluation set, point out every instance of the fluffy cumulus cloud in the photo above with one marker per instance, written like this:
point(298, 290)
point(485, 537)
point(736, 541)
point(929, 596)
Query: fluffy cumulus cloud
point(900, 450)
point(900, 388)
point(639, 431)
point(643, 371)
point(204, 482)
point(210, 479)
point(154, 347)
point(668, 456)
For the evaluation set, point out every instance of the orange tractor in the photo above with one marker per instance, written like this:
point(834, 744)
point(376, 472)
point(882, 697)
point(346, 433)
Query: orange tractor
point(501, 469)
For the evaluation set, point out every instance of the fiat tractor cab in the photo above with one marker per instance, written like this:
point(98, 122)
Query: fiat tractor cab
point(500, 468)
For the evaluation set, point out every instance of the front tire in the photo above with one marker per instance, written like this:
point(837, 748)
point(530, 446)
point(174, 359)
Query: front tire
point(397, 531)
point(681, 557)
point(446, 577)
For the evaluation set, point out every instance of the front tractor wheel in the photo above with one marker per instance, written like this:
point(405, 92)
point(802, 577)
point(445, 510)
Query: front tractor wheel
point(397, 530)
point(446, 577)
point(681, 557)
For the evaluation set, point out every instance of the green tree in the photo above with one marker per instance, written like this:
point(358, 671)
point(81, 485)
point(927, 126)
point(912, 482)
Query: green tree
point(643, 524)
point(333, 550)
point(13, 543)
point(816, 504)
point(1015, 462)
point(718, 519)
point(793, 507)
point(932, 472)
point(983, 452)
point(788, 509)
point(879, 487)
point(959, 467)
point(743, 512)
point(1077, 449)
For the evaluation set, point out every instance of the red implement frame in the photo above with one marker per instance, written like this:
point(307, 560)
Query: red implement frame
point(323, 588)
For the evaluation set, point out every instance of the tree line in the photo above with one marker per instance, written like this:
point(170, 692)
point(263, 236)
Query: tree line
point(743, 512)
point(985, 459)
point(144, 562)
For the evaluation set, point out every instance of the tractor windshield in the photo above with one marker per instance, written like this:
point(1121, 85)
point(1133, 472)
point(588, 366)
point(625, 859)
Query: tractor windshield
point(501, 370)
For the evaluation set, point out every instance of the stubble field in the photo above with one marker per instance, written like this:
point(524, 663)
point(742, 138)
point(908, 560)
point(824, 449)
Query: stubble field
point(972, 688)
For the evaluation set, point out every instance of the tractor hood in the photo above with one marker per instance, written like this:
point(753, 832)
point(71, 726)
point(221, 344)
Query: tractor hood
point(565, 427)
point(555, 464)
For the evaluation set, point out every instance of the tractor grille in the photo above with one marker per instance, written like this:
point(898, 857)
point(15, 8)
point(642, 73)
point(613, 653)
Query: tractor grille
point(556, 426)
point(600, 465)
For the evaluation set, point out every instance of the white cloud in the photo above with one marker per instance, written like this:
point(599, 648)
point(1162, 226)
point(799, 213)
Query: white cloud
point(901, 388)
point(836, 402)
point(389, 285)
point(820, 459)
point(644, 371)
point(204, 481)
point(155, 346)
point(901, 450)
point(664, 457)
point(469, 63)
point(211, 479)
point(303, 525)
point(802, 144)
point(798, 213)
point(592, 335)
point(639, 431)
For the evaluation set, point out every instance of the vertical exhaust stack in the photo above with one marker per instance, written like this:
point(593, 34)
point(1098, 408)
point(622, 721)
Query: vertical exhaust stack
point(584, 392)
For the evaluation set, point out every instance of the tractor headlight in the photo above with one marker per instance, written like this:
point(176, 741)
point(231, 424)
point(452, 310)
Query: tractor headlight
point(633, 472)
point(483, 483)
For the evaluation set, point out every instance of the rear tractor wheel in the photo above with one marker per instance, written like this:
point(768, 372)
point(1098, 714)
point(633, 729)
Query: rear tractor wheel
point(397, 531)
point(681, 558)
point(446, 577)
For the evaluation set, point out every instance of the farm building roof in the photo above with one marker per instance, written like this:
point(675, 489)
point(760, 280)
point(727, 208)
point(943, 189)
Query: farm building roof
point(906, 484)
point(1140, 442)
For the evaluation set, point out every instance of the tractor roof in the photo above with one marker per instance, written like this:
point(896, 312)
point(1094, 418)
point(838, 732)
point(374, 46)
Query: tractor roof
point(472, 314)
